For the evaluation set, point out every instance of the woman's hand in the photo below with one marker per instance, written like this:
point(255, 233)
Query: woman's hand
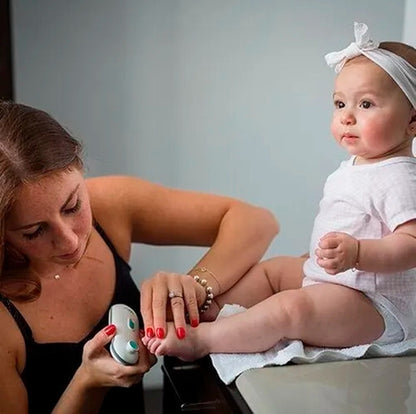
point(101, 370)
point(157, 306)
point(337, 252)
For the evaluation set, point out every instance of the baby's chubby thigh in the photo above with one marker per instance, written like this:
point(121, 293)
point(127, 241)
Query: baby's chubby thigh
point(331, 315)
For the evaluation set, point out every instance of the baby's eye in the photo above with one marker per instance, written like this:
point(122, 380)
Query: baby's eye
point(339, 104)
point(366, 104)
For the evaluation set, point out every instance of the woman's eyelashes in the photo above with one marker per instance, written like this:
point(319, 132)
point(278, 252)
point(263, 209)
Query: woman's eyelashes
point(75, 208)
point(36, 233)
point(42, 227)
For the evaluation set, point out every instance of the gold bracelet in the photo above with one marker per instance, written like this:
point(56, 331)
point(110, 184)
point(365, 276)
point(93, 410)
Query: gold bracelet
point(203, 269)
point(208, 290)
point(357, 259)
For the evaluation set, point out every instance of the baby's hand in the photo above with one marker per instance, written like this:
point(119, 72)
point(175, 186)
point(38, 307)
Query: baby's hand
point(337, 252)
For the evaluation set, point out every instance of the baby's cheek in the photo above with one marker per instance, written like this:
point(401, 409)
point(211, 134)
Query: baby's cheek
point(335, 130)
point(372, 132)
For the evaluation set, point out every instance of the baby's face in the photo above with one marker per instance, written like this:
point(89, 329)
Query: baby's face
point(371, 113)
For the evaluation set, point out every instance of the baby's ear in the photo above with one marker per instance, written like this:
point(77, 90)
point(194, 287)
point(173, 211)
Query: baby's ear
point(412, 124)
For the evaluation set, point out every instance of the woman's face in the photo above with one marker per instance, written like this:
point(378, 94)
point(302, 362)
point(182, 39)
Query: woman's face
point(50, 221)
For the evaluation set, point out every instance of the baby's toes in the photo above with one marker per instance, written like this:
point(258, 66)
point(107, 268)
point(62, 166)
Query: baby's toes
point(153, 344)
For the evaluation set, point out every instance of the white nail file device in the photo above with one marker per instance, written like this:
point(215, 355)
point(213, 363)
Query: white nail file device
point(124, 347)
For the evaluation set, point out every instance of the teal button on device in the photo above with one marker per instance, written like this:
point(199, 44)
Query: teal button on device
point(131, 324)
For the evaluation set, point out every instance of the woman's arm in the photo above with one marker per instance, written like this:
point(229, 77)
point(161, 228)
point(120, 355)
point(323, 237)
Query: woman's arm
point(135, 210)
point(13, 396)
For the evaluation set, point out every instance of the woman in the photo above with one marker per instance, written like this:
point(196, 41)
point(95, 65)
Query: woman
point(65, 245)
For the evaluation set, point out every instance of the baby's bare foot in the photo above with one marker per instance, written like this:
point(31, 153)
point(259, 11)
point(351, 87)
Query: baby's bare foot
point(187, 349)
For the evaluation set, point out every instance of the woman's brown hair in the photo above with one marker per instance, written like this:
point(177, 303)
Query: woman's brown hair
point(32, 145)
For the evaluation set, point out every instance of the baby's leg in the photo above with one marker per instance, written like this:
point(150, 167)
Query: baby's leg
point(321, 315)
point(260, 282)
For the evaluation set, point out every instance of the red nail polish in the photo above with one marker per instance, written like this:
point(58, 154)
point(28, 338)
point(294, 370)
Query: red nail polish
point(150, 333)
point(180, 332)
point(194, 323)
point(160, 333)
point(110, 329)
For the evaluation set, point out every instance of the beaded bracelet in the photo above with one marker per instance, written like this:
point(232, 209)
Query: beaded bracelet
point(203, 269)
point(208, 290)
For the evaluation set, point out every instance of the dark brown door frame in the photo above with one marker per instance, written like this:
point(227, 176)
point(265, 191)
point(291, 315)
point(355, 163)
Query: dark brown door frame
point(6, 66)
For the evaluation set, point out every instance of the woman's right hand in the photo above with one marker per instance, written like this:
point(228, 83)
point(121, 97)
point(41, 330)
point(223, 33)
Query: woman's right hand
point(157, 307)
point(99, 369)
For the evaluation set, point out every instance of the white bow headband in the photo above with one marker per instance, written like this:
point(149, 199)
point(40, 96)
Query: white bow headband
point(402, 72)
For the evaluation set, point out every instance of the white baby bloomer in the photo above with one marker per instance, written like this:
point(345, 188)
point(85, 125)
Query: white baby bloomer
point(369, 202)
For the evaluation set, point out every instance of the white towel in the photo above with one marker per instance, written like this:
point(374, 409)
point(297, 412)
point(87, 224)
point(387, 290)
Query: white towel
point(229, 366)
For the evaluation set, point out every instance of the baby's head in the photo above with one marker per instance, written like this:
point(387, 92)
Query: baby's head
point(403, 50)
point(374, 98)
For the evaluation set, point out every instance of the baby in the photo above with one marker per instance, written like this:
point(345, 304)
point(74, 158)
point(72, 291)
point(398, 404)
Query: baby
point(358, 284)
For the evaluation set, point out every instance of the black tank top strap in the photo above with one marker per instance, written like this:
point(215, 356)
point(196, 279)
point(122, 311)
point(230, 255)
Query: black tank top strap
point(108, 242)
point(18, 317)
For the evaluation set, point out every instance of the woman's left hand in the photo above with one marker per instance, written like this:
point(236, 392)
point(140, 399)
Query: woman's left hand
point(170, 296)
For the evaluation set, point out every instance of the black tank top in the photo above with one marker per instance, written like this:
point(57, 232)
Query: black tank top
point(50, 366)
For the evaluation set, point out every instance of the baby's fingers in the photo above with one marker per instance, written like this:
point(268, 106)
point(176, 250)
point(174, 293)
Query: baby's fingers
point(329, 265)
point(326, 253)
point(329, 242)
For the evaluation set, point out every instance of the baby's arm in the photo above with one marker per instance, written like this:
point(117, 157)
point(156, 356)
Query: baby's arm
point(396, 252)
point(393, 253)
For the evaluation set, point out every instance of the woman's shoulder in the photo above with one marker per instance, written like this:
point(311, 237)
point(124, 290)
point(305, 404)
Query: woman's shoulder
point(105, 195)
point(115, 200)
point(127, 200)
point(107, 184)
point(110, 191)
point(118, 188)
